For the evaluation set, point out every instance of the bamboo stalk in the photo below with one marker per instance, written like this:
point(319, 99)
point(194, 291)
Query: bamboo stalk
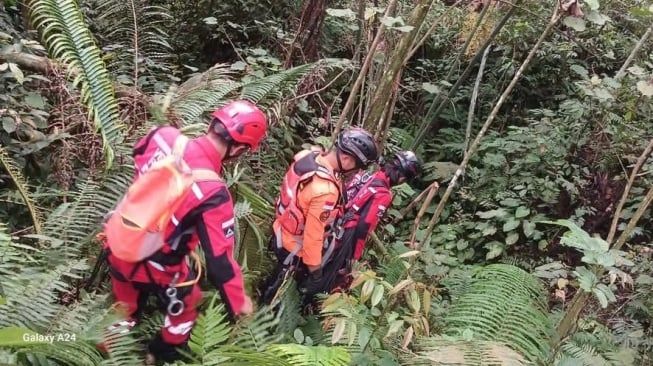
point(633, 53)
point(472, 103)
point(624, 197)
point(383, 91)
point(495, 111)
point(433, 189)
point(363, 72)
point(436, 108)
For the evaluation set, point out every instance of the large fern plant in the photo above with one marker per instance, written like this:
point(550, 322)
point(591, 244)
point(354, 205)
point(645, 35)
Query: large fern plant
point(64, 32)
point(503, 304)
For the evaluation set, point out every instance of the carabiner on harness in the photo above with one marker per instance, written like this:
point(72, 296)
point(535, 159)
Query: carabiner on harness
point(175, 306)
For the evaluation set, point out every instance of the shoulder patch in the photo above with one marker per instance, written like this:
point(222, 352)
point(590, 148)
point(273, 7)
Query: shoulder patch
point(229, 228)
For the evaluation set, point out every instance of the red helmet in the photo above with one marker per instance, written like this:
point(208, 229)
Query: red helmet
point(243, 121)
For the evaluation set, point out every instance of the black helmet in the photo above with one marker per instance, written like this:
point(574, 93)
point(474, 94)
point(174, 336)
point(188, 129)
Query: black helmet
point(358, 143)
point(409, 164)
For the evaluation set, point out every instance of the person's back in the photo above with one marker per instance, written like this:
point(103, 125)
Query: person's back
point(205, 217)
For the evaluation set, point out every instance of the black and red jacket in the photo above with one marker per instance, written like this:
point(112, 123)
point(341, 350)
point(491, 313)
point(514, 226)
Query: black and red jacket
point(206, 218)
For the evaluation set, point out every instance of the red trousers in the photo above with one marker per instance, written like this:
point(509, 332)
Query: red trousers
point(176, 328)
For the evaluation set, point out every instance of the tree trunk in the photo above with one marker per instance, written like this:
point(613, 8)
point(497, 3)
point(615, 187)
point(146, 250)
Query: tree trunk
point(308, 33)
point(397, 62)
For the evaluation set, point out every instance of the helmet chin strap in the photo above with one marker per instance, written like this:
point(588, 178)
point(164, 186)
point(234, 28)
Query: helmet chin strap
point(340, 168)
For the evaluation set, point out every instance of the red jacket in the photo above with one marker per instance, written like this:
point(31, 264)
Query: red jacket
point(206, 217)
point(368, 198)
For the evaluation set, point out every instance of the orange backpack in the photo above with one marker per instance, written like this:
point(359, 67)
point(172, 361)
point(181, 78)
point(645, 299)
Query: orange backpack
point(136, 228)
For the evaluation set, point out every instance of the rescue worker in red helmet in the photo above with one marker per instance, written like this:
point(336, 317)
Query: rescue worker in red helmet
point(204, 218)
point(368, 197)
point(308, 202)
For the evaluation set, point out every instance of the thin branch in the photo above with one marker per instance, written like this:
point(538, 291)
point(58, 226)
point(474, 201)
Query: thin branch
point(430, 31)
point(635, 51)
point(436, 108)
point(363, 72)
point(321, 89)
point(624, 197)
point(432, 190)
point(133, 6)
point(495, 111)
point(472, 104)
point(633, 221)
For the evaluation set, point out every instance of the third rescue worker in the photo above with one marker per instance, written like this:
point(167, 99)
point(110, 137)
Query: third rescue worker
point(309, 195)
point(368, 197)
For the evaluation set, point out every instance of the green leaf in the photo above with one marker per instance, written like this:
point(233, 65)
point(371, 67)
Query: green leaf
point(529, 228)
point(512, 238)
point(581, 71)
point(510, 225)
point(299, 336)
point(338, 330)
point(645, 87)
point(644, 279)
point(592, 4)
point(394, 327)
point(586, 278)
point(17, 73)
point(490, 230)
point(8, 124)
point(390, 21)
point(35, 100)
point(405, 28)
point(341, 13)
point(597, 18)
point(377, 295)
point(364, 336)
point(522, 212)
point(239, 66)
point(210, 21)
point(495, 247)
point(431, 89)
point(492, 213)
point(577, 24)
point(603, 300)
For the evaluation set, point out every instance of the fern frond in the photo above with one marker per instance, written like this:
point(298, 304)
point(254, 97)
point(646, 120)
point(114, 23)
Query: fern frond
point(210, 331)
point(21, 185)
point(258, 332)
point(507, 305)
point(299, 355)
point(136, 33)
point(438, 351)
point(64, 32)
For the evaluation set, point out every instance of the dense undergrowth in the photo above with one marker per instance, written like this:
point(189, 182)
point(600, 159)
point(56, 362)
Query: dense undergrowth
point(534, 256)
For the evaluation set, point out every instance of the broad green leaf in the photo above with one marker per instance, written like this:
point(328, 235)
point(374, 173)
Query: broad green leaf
point(645, 87)
point(490, 230)
point(512, 238)
point(586, 278)
point(351, 333)
point(364, 336)
point(495, 248)
point(210, 20)
point(597, 18)
point(239, 65)
point(405, 28)
point(431, 88)
point(394, 327)
point(492, 213)
point(577, 24)
point(644, 279)
point(390, 21)
point(581, 71)
point(400, 286)
point(17, 73)
point(8, 124)
point(510, 225)
point(377, 295)
point(413, 300)
point(35, 100)
point(410, 253)
point(522, 212)
point(368, 287)
point(338, 330)
point(341, 13)
point(603, 300)
point(299, 336)
point(636, 71)
point(592, 4)
point(529, 228)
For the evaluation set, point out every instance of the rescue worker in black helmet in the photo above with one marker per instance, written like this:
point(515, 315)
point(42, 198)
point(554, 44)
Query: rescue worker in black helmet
point(308, 204)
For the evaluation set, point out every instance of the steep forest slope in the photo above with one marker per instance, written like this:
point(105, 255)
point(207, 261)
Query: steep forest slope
point(526, 242)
